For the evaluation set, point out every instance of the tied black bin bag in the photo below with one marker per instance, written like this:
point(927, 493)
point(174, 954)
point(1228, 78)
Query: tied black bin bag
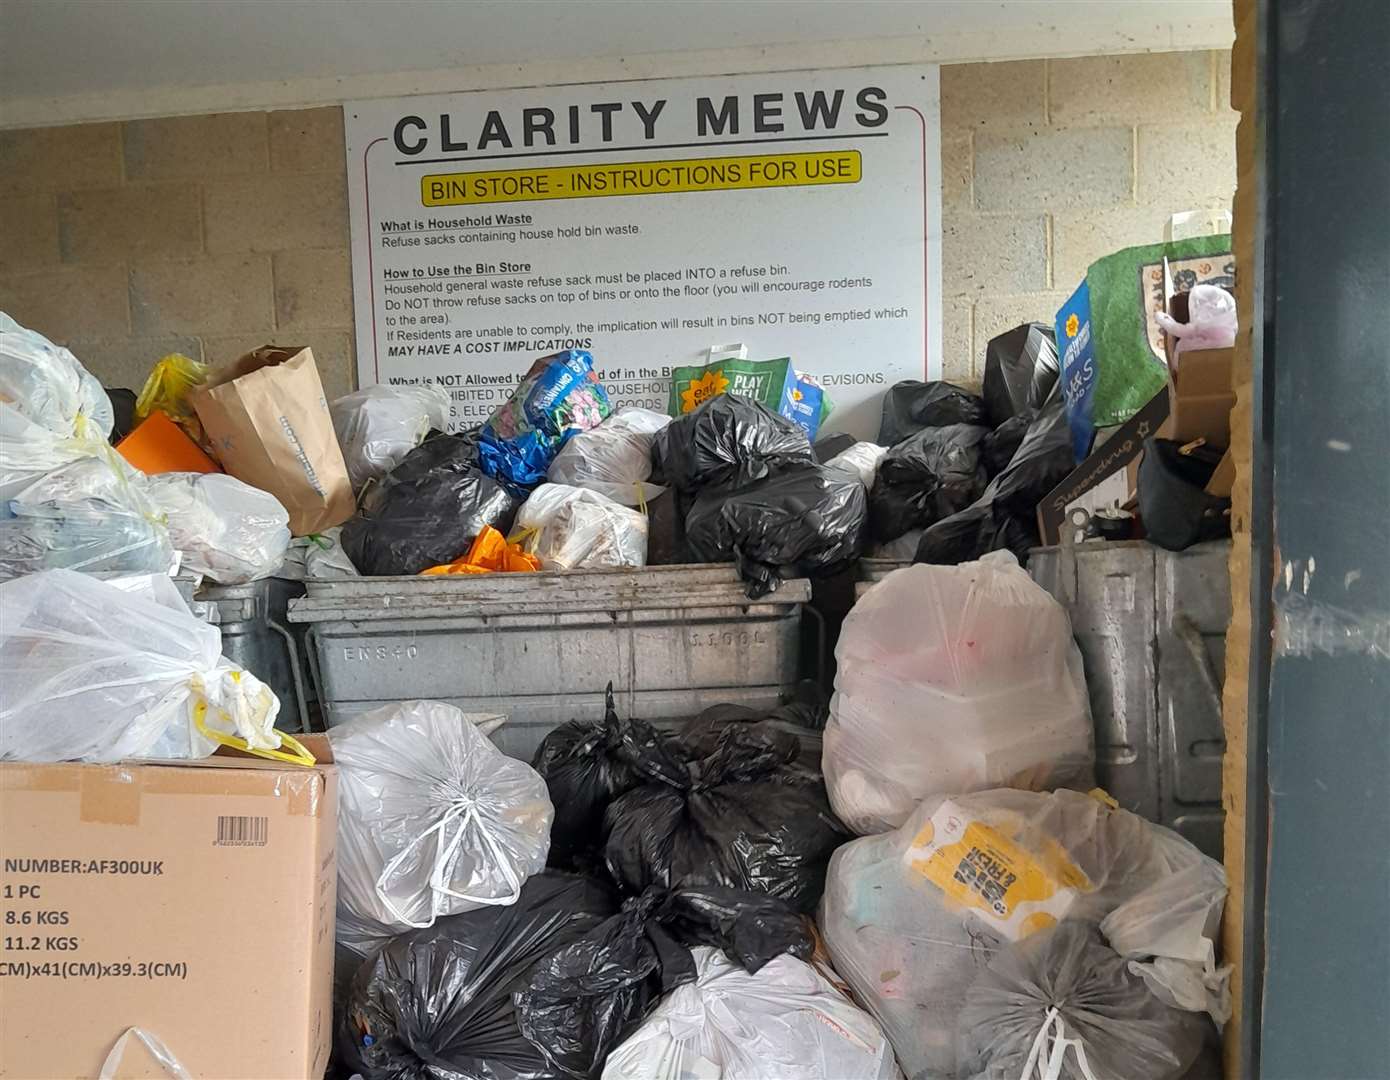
point(1020, 370)
point(437, 1003)
point(806, 520)
point(427, 510)
point(749, 815)
point(910, 406)
point(729, 440)
point(586, 997)
point(926, 477)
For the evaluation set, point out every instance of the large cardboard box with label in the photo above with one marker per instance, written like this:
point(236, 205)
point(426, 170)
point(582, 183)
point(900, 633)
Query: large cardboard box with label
point(191, 900)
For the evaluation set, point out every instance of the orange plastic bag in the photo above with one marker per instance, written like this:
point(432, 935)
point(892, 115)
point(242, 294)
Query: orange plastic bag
point(489, 553)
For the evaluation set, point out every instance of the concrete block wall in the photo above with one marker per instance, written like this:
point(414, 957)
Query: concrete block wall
point(1050, 164)
point(209, 235)
point(205, 235)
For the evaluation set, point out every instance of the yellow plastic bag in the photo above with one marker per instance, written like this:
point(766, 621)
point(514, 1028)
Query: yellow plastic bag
point(169, 389)
point(489, 553)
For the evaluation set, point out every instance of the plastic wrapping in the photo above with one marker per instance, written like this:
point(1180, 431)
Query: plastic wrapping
point(427, 510)
point(437, 1003)
point(571, 528)
point(729, 440)
point(92, 514)
point(489, 554)
point(52, 411)
point(1021, 369)
point(1211, 321)
point(586, 764)
point(747, 815)
point(1062, 1003)
point(860, 461)
point(912, 917)
point(378, 425)
point(558, 397)
point(952, 679)
point(227, 531)
point(926, 477)
point(102, 672)
point(587, 996)
point(784, 1021)
point(613, 459)
point(169, 388)
point(318, 555)
point(910, 406)
point(805, 520)
point(433, 819)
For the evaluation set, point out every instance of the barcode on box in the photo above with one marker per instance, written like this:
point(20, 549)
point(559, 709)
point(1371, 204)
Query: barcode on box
point(242, 831)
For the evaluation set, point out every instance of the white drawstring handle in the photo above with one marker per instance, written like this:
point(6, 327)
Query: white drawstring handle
point(1051, 1068)
point(153, 1044)
point(462, 812)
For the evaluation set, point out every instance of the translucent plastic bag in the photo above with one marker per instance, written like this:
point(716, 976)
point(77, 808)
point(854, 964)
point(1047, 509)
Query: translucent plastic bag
point(98, 671)
point(169, 388)
point(433, 819)
point(1062, 1004)
point(613, 459)
point(91, 514)
point(912, 917)
point(577, 529)
point(317, 555)
point(378, 425)
point(953, 679)
point(52, 411)
point(785, 1021)
point(227, 531)
point(860, 461)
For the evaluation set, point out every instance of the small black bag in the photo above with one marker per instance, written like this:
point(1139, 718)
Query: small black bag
point(729, 440)
point(1176, 510)
point(910, 406)
point(926, 477)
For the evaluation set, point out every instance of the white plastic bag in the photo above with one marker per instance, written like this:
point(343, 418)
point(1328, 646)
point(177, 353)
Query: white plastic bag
point(1211, 321)
point(52, 410)
point(860, 461)
point(378, 425)
point(226, 530)
point(911, 917)
point(578, 529)
point(953, 679)
point(92, 514)
point(317, 555)
point(613, 459)
point(432, 820)
point(786, 1022)
point(99, 672)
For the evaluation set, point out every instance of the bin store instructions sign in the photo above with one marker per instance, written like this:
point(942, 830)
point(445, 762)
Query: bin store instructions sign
point(795, 213)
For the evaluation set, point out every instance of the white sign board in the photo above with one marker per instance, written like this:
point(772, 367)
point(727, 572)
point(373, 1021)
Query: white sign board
point(795, 213)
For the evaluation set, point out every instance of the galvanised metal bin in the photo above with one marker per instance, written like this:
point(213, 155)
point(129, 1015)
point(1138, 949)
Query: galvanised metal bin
point(542, 647)
point(252, 620)
point(1151, 626)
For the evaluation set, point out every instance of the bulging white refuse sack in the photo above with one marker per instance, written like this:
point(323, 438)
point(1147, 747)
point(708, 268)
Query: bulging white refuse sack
point(613, 459)
point(571, 528)
point(912, 917)
point(786, 1022)
point(433, 820)
point(98, 671)
point(226, 530)
point(954, 679)
point(378, 425)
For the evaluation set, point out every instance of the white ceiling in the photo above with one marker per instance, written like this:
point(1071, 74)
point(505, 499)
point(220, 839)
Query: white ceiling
point(63, 60)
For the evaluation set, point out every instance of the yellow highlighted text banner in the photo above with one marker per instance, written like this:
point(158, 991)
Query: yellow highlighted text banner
point(642, 178)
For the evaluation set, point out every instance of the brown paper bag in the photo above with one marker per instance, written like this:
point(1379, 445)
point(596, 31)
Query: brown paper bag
point(268, 422)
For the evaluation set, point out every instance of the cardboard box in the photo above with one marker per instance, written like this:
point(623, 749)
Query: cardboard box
point(193, 900)
point(1201, 399)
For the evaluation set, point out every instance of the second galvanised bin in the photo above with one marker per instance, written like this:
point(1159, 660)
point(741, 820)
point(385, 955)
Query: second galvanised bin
point(541, 647)
point(1151, 626)
point(254, 635)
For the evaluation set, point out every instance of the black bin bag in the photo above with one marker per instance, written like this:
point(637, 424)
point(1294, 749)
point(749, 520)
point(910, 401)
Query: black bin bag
point(806, 520)
point(586, 997)
point(729, 440)
point(427, 510)
point(437, 1003)
point(751, 814)
point(1020, 370)
point(1067, 993)
point(926, 477)
point(910, 406)
point(1176, 509)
